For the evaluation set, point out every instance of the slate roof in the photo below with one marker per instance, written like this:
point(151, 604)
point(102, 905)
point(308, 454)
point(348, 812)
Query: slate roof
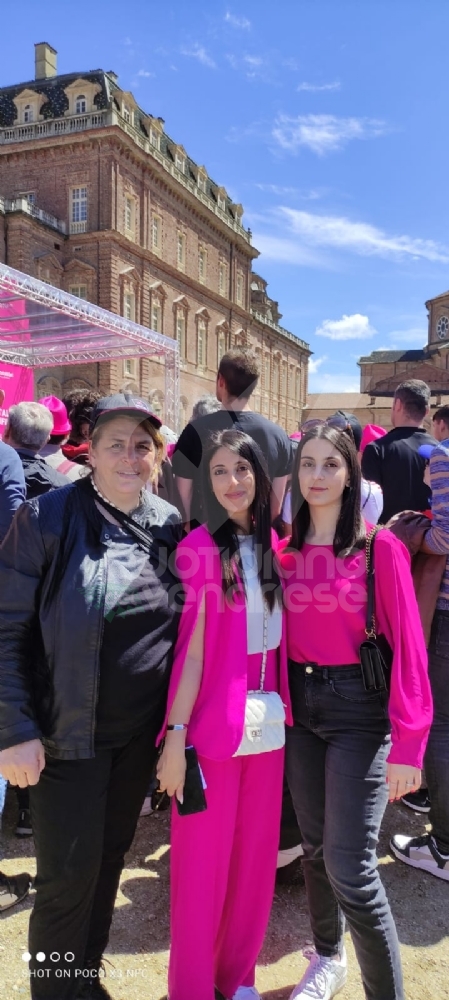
point(57, 103)
point(380, 357)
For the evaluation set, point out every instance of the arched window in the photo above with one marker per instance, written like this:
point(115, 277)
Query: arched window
point(80, 105)
point(27, 113)
point(267, 372)
point(276, 376)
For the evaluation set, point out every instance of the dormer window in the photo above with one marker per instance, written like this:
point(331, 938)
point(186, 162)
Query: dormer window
point(180, 162)
point(126, 113)
point(201, 179)
point(28, 113)
point(155, 138)
point(80, 105)
point(221, 199)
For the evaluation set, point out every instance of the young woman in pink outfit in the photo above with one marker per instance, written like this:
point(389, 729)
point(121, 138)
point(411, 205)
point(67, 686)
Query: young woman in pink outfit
point(223, 860)
point(349, 749)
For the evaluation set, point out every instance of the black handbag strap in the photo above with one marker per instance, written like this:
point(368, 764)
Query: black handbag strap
point(370, 624)
point(143, 536)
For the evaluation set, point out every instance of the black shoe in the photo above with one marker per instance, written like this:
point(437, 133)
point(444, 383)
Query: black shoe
point(291, 874)
point(92, 988)
point(24, 828)
point(13, 889)
point(418, 801)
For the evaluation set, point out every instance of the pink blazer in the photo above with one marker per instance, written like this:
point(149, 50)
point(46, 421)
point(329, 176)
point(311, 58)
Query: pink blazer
point(216, 725)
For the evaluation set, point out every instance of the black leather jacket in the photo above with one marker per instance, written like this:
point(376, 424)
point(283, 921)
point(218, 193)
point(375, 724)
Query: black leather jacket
point(52, 591)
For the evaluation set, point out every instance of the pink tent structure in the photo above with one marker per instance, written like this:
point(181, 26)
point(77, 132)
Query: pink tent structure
point(43, 327)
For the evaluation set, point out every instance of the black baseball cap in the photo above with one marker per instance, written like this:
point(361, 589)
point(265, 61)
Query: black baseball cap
point(122, 404)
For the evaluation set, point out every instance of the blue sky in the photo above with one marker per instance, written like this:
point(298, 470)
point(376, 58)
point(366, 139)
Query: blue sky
point(326, 120)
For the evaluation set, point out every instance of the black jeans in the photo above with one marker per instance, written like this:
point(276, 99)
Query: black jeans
point(84, 816)
point(336, 754)
point(436, 761)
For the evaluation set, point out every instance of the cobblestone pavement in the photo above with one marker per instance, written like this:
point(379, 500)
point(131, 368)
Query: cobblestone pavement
point(138, 947)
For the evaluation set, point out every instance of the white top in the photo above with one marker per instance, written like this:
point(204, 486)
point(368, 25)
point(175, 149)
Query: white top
point(372, 501)
point(255, 603)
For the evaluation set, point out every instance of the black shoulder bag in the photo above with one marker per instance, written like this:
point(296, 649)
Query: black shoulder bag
point(376, 655)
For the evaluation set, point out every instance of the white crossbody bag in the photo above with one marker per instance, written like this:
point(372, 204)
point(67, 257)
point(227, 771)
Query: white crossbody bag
point(264, 728)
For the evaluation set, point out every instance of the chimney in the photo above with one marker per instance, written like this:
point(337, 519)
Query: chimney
point(45, 61)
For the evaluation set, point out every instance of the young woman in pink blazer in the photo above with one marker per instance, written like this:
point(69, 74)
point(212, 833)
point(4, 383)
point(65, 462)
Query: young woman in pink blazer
point(223, 860)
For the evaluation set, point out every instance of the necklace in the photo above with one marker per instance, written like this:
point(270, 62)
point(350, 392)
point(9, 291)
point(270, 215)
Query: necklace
point(111, 504)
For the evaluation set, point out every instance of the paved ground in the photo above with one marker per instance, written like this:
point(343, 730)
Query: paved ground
point(139, 939)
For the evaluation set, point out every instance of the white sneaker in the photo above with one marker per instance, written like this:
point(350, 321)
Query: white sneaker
point(421, 852)
point(247, 993)
point(324, 978)
point(288, 855)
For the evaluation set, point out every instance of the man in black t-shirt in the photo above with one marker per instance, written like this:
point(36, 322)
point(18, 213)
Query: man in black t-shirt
point(237, 378)
point(394, 461)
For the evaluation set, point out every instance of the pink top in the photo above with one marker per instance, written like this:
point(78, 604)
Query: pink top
point(325, 598)
point(216, 724)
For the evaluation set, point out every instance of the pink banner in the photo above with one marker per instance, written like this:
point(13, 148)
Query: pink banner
point(17, 383)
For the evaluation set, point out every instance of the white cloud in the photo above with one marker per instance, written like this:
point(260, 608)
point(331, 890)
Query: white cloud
point(359, 237)
point(237, 22)
point(315, 364)
point(199, 52)
point(253, 60)
point(355, 327)
point(335, 85)
point(145, 72)
point(323, 133)
point(280, 249)
point(313, 195)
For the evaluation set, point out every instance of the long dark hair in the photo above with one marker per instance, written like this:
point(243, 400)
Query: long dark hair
point(350, 530)
point(224, 530)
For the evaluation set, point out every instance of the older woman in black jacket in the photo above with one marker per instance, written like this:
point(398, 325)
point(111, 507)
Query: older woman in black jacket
point(88, 618)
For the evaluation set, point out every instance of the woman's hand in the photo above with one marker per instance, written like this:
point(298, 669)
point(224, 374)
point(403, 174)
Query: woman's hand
point(401, 779)
point(171, 768)
point(22, 765)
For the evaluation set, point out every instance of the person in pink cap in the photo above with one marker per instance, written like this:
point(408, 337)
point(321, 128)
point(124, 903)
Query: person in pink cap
point(52, 451)
point(372, 432)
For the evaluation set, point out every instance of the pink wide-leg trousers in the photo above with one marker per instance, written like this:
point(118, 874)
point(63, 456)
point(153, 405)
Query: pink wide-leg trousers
point(223, 866)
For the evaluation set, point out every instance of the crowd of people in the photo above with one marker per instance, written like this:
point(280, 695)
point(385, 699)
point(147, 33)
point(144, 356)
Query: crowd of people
point(262, 636)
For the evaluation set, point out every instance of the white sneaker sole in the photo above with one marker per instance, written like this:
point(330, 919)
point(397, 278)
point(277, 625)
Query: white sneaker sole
point(294, 996)
point(426, 866)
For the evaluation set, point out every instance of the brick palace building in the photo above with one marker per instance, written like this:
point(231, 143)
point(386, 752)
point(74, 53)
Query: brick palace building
point(97, 199)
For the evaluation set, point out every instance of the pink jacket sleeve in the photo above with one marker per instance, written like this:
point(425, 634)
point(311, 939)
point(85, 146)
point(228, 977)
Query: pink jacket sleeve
point(397, 615)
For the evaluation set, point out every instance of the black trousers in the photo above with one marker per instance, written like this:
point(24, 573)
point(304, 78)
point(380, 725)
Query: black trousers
point(84, 815)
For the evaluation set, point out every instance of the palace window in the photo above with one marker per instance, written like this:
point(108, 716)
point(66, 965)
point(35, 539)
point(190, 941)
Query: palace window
point(180, 162)
point(181, 250)
point(80, 105)
point(79, 204)
point(201, 343)
point(79, 290)
point(276, 376)
point(126, 113)
point(156, 315)
point(221, 346)
point(130, 368)
point(202, 265)
point(201, 181)
point(155, 138)
point(298, 386)
point(239, 289)
point(181, 331)
point(28, 113)
point(156, 233)
point(130, 215)
point(222, 278)
point(129, 306)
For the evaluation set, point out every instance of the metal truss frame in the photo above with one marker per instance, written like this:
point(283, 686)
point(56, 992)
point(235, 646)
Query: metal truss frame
point(44, 327)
